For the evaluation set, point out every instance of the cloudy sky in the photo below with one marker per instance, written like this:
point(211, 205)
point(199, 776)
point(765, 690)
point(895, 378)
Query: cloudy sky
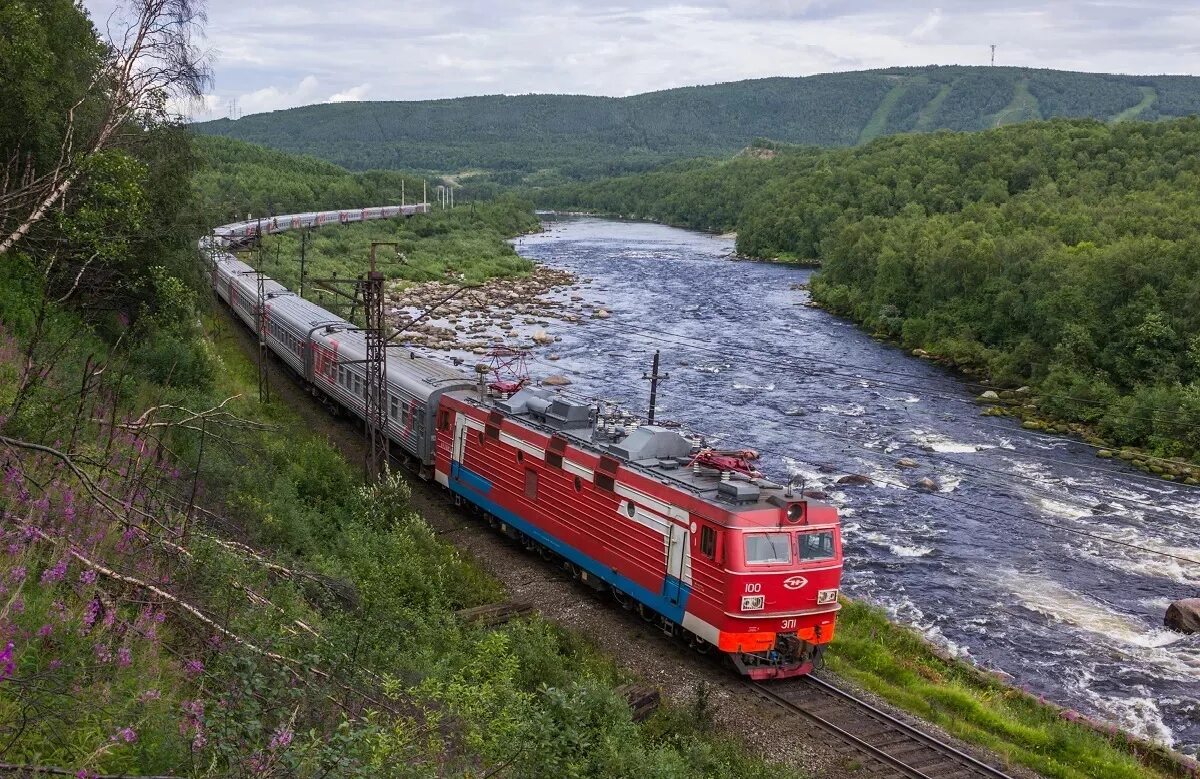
point(270, 54)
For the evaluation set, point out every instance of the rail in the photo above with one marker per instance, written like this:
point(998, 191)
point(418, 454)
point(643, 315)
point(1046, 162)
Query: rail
point(899, 748)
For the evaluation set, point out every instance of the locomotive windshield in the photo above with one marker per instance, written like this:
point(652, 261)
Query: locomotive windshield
point(816, 546)
point(764, 548)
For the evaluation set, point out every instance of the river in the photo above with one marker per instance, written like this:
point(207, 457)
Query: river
point(997, 565)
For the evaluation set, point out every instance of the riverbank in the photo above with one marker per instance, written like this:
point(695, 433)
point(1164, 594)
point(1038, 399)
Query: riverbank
point(1027, 406)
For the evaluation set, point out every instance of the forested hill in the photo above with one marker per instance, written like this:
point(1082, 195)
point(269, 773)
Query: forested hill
point(553, 136)
point(1064, 254)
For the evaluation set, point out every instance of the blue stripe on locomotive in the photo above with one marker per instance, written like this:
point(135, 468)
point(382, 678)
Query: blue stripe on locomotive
point(475, 488)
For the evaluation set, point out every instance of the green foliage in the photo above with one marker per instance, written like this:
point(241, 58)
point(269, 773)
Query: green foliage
point(48, 54)
point(497, 141)
point(468, 243)
point(236, 179)
point(1061, 254)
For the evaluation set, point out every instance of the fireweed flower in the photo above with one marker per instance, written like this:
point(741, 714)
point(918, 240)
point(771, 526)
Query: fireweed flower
point(56, 573)
point(8, 666)
point(194, 668)
point(88, 576)
point(17, 573)
point(280, 738)
point(91, 613)
point(128, 735)
point(124, 657)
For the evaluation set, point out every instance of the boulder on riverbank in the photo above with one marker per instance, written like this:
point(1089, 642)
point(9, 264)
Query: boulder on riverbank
point(1183, 616)
point(556, 380)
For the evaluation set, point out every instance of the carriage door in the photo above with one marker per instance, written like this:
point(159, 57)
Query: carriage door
point(677, 546)
point(460, 438)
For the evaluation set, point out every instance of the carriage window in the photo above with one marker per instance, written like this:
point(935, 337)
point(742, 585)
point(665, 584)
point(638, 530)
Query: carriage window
point(765, 548)
point(531, 484)
point(708, 542)
point(816, 546)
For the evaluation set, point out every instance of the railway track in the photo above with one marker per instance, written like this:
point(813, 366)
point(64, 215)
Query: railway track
point(892, 747)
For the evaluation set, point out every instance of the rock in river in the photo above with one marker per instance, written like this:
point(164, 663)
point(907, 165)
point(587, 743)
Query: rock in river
point(926, 485)
point(855, 480)
point(1183, 616)
point(556, 380)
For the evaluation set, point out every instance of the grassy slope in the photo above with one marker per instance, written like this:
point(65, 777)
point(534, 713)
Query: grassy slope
point(1149, 97)
point(878, 121)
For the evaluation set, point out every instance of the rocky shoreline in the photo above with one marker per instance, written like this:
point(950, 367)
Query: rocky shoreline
point(515, 312)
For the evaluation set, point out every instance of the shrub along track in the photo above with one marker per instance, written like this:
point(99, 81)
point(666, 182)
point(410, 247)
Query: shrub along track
point(776, 732)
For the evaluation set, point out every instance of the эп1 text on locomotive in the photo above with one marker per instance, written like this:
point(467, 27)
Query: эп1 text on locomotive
point(695, 539)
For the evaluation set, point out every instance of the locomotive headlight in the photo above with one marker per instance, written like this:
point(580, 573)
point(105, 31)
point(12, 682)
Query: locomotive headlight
point(827, 596)
point(753, 602)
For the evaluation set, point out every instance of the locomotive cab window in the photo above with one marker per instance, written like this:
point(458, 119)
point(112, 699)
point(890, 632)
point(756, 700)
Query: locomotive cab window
point(708, 542)
point(767, 548)
point(816, 546)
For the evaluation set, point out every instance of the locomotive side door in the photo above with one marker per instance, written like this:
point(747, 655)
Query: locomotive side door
point(677, 546)
point(460, 438)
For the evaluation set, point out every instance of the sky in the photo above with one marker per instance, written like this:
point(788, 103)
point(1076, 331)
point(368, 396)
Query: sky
point(272, 54)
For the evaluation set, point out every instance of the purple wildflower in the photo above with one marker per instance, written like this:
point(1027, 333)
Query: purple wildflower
point(91, 613)
point(103, 653)
point(149, 695)
point(124, 657)
point(87, 576)
point(8, 666)
point(17, 573)
point(194, 667)
point(56, 573)
point(45, 630)
point(128, 735)
point(280, 738)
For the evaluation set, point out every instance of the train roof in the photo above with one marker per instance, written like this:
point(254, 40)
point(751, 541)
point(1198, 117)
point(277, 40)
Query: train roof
point(658, 452)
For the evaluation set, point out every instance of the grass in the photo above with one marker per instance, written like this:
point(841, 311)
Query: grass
point(1149, 97)
point(1022, 108)
point(899, 665)
point(878, 120)
point(928, 115)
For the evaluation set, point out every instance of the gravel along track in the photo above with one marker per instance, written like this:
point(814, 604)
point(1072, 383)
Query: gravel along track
point(890, 747)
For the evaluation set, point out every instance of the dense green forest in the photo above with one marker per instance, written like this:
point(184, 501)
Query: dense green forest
point(235, 178)
point(539, 139)
point(1064, 254)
